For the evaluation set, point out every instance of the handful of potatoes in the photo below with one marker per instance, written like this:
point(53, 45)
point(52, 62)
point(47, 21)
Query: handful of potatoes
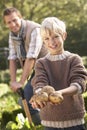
point(47, 94)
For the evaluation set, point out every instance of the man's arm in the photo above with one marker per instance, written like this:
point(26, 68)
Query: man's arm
point(32, 54)
point(28, 66)
point(12, 67)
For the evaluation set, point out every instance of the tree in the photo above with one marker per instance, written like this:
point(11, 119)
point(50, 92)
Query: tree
point(72, 12)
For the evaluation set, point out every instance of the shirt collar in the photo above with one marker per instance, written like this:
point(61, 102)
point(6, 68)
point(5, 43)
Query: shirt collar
point(57, 57)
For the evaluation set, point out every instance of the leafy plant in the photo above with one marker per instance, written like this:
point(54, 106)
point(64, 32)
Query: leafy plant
point(22, 124)
point(12, 117)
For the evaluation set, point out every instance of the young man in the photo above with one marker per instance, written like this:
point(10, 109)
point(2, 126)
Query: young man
point(25, 44)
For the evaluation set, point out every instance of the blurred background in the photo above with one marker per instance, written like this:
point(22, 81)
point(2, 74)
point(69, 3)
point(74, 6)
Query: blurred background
point(73, 13)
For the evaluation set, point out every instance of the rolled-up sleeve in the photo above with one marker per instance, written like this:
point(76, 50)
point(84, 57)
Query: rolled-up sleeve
point(12, 53)
point(35, 44)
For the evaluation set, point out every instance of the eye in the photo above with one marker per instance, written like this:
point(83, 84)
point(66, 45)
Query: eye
point(14, 20)
point(46, 39)
point(56, 36)
point(8, 23)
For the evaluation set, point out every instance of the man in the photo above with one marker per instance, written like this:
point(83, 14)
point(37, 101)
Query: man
point(25, 44)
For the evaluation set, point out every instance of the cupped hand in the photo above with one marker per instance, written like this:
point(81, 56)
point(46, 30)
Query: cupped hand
point(38, 104)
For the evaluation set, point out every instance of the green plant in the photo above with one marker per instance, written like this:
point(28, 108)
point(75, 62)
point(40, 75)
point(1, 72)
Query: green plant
point(22, 124)
point(9, 111)
point(85, 99)
point(84, 59)
point(85, 120)
point(5, 76)
point(9, 108)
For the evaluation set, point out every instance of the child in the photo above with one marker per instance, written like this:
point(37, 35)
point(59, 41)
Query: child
point(64, 71)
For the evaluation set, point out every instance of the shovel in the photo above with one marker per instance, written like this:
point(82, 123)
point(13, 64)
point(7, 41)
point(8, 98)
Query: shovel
point(26, 108)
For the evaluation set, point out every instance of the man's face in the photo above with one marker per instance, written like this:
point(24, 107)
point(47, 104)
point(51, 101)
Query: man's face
point(13, 21)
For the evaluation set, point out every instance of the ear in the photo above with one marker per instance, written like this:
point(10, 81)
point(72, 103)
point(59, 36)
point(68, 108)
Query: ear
point(64, 36)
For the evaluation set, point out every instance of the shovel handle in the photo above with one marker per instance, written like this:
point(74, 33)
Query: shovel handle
point(20, 91)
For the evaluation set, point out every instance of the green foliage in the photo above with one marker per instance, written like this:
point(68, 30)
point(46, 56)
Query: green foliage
point(5, 76)
point(85, 99)
point(12, 117)
point(38, 10)
point(8, 99)
point(85, 120)
point(76, 40)
point(19, 123)
point(73, 12)
point(3, 62)
point(3, 58)
point(22, 124)
point(9, 110)
point(84, 58)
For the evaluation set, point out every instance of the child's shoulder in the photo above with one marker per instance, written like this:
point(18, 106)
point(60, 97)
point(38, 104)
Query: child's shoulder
point(74, 57)
point(42, 60)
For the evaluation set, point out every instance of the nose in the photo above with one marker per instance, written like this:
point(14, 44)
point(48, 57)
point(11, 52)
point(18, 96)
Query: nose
point(52, 41)
point(12, 24)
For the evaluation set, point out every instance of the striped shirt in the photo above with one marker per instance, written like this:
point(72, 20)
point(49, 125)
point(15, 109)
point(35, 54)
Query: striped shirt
point(34, 45)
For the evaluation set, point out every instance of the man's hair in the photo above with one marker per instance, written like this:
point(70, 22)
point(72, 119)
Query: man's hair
point(11, 10)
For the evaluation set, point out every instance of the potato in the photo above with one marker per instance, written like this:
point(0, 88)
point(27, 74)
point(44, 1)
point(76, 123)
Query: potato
point(41, 97)
point(47, 94)
point(55, 97)
point(48, 89)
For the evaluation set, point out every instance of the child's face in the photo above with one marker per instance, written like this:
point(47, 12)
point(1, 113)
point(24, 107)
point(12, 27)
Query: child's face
point(54, 42)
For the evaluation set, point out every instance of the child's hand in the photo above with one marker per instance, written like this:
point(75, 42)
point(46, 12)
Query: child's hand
point(38, 104)
point(47, 94)
point(39, 100)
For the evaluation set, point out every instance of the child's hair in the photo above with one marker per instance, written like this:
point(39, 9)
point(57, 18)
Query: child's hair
point(52, 24)
point(11, 10)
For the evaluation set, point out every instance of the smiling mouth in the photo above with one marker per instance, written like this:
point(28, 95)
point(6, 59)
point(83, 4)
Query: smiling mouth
point(15, 29)
point(53, 47)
